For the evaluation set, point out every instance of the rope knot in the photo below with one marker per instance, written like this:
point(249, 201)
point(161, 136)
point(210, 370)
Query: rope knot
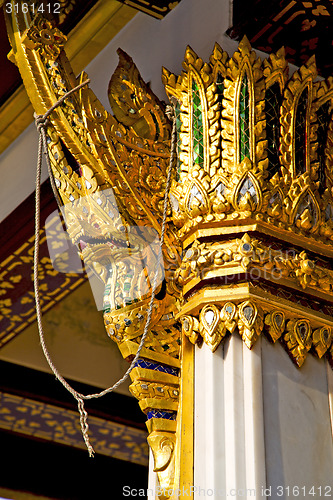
point(169, 111)
point(41, 122)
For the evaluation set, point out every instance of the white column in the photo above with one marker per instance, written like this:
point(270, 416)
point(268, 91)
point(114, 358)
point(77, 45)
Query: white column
point(254, 420)
point(229, 422)
point(298, 432)
point(330, 391)
point(152, 478)
point(263, 428)
point(209, 424)
point(234, 415)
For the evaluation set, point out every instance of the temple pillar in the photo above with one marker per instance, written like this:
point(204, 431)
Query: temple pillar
point(298, 425)
point(229, 420)
point(263, 426)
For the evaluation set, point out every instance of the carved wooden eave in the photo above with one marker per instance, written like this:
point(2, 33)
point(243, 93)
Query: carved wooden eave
point(100, 24)
point(43, 415)
point(90, 29)
point(303, 27)
point(155, 8)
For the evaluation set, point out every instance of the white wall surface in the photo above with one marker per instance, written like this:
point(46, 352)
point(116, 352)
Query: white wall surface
point(298, 432)
point(263, 425)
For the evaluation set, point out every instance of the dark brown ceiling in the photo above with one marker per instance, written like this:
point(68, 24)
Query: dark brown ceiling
point(304, 28)
point(155, 8)
point(9, 75)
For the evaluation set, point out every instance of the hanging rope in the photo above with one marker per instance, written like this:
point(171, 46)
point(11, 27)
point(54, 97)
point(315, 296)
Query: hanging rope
point(41, 124)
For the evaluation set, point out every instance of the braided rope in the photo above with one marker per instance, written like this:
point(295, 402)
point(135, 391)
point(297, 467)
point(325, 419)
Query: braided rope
point(41, 124)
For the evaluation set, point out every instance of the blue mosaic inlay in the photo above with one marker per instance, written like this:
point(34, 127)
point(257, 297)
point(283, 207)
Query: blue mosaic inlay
point(149, 365)
point(168, 415)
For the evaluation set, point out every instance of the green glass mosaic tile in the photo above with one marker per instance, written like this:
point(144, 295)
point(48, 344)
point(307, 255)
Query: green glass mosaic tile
point(244, 120)
point(197, 126)
point(220, 86)
point(178, 129)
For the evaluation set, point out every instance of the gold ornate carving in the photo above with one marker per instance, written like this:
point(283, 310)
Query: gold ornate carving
point(44, 37)
point(244, 200)
point(298, 339)
point(322, 340)
point(134, 104)
point(250, 322)
point(190, 326)
point(163, 448)
point(162, 441)
point(96, 160)
point(211, 328)
point(276, 324)
point(254, 316)
point(257, 258)
point(240, 188)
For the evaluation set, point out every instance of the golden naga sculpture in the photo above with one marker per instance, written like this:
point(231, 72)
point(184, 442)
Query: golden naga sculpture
point(248, 246)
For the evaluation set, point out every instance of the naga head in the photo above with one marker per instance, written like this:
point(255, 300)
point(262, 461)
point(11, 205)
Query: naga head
point(124, 256)
point(110, 174)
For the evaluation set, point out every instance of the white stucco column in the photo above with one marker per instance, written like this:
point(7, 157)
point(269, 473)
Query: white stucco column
point(229, 430)
point(262, 426)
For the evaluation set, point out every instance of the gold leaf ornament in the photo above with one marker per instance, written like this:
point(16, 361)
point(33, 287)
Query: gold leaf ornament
point(250, 322)
point(45, 37)
point(190, 327)
point(298, 339)
point(275, 321)
point(211, 328)
point(322, 340)
point(134, 104)
point(228, 316)
point(165, 447)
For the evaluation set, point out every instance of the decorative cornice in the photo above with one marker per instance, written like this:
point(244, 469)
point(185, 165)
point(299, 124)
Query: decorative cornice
point(240, 178)
point(158, 9)
point(49, 422)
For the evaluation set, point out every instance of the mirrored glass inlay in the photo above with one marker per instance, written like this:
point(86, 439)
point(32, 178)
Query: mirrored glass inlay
point(301, 142)
point(272, 109)
point(244, 120)
point(197, 126)
point(247, 187)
